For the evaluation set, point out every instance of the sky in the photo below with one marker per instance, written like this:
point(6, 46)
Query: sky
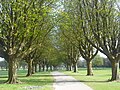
point(99, 53)
point(1, 59)
point(102, 55)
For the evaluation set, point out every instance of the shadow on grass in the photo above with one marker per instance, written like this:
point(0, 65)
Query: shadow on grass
point(37, 81)
point(45, 75)
point(22, 76)
point(4, 77)
point(81, 81)
point(3, 81)
point(31, 80)
point(95, 81)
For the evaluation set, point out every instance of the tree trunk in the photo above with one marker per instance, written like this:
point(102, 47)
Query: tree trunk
point(12, 71)
point(115, 70)
point(51, 68)
point(89, 68)
point(6, 68)
point(75, 67)
point(67, 67)
point(55, 68)
point(47, 67)
point(35, 67)
point(70, 66)
point(23, 67)
point(43, 66)
point(29, 68)
point(39, 67)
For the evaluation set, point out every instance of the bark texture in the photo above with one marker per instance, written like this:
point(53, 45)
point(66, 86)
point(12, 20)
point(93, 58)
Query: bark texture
point(29, 68)
point(39, 67)
point(75, 66)
point(35, 67)
point(12, 71)
point(89, 68)
point(115, 70)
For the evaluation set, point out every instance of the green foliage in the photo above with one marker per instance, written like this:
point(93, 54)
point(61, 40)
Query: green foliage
point(97, 61)
point(3, 64)
point(90, 24)
point(24, 25)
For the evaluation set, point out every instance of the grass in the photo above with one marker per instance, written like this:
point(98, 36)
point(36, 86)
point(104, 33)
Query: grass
point(43, 79)
point(40, 81)
point(99, 81)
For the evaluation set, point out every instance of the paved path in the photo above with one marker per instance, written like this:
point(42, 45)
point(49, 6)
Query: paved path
point(65, 82)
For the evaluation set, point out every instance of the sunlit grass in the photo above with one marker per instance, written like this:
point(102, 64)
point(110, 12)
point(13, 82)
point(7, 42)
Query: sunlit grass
point(44, 80)
point(99, 81)
point(40, 81)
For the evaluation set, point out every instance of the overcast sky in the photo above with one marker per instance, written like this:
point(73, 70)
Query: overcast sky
point(99, 53)
point(1, 59)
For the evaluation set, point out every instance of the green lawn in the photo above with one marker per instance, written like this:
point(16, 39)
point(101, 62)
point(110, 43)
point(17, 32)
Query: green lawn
point(99, 81)
point(44, 80)
point(40, 81)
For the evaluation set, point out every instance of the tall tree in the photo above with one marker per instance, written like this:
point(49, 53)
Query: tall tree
point(13, 33)
point(101, 20)
point(72, 28)
point(20, 27)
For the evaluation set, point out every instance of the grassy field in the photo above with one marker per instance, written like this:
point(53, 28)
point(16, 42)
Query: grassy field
point(39, 81)
point(99, 81)
point(44, 81)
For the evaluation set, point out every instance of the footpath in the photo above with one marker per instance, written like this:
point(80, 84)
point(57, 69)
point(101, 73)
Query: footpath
point(65, 82)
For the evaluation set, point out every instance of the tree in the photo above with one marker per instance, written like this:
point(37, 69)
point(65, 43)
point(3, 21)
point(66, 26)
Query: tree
point(101, 20)
point(23, 64)
point(98, 61)
point(72, 30)
point(3, 65)
point(20, 28)
point(13, 33)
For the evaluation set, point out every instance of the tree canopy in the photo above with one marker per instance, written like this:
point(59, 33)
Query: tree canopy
point(58, 32)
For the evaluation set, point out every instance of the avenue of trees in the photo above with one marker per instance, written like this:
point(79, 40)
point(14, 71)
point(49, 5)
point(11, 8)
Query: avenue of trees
point(24, 26)
point(51, 33)
point(92, 26)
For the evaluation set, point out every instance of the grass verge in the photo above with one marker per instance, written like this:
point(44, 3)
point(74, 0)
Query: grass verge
point(99, 81)
point(39, 81)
